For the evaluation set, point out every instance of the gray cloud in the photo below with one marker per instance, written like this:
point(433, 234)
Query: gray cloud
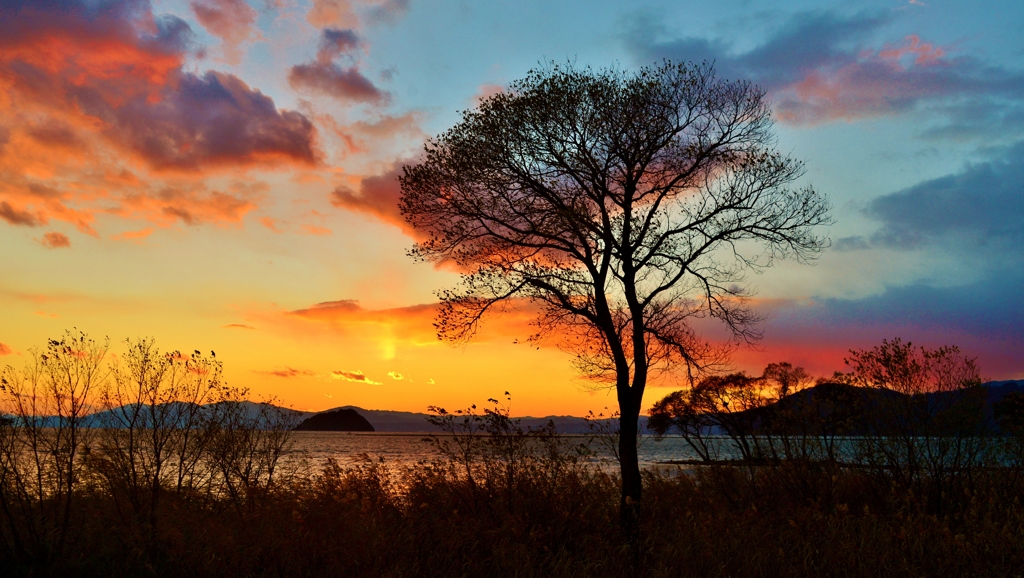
point(806, 42)
point(326, 76)
point(980, 208)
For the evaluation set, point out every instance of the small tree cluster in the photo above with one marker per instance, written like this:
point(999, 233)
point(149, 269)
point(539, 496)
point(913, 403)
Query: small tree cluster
point(140, 427)
point(914, 416)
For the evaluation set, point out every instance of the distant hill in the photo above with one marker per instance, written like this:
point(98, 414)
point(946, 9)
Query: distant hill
point(115, 417)
point(345, 419)
point(410, 422)
point(849, 410)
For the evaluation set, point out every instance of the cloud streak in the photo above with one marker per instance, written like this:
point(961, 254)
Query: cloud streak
point(354, 376)
point(288, 373)
point(410, 326)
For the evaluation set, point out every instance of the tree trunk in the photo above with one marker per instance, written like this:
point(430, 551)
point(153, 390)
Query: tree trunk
point(632, 487)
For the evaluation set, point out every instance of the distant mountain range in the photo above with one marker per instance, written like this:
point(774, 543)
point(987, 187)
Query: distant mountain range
point(382, 421)
point(388, 421)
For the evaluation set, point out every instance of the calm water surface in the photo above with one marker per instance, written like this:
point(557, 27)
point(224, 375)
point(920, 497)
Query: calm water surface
point(408, 449)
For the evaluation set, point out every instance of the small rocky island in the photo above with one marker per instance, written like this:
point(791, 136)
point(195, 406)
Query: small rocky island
point(335, 420)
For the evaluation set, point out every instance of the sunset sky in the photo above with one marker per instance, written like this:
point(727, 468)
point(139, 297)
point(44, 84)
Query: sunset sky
point(221, 175)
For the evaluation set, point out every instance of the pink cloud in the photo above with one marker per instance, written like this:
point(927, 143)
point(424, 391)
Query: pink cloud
point(485, 91)
point(343, 13)
point(875, 84)
point(378, 196)
point(366, 135)
point(338, 13)
point(795, 330)
point(230, 20)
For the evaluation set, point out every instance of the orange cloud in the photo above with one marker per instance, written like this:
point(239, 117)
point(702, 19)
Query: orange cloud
point(134, 235)
point(270, 223)
point(55, 240)
point(238, 326)
point(100, 116)
point(413, 323)
point(356, 376)
point(15, 216)
point(5, 349)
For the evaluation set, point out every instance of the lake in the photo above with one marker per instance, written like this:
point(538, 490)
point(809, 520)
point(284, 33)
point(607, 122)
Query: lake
point(402, 449)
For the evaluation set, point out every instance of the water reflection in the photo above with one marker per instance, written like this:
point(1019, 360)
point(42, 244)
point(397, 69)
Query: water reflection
point(406, 449)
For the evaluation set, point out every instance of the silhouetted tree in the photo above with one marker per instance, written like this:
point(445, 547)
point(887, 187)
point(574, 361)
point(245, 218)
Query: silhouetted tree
point(929, 417)
point(624, 205)
point(40, 465)
point(154, 427)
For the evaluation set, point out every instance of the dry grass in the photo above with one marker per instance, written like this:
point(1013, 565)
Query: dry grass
point(558, 518)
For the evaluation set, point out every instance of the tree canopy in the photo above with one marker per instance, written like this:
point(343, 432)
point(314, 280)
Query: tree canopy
point(625, 205)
